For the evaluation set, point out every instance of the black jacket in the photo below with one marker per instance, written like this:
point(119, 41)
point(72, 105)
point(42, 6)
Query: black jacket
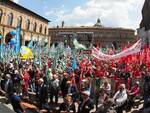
point(86, 107)
point(16, 103)
point(65, 107)
point(10, 87)
point(42, 93)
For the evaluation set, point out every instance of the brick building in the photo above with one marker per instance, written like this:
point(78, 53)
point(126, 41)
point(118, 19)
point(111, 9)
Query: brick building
point(92, 34)
point(33, 26)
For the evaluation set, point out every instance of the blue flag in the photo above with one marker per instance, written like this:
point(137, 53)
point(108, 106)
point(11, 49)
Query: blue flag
point(18, 31)
point(74, 63)
point(1, 36)
point(30, 45)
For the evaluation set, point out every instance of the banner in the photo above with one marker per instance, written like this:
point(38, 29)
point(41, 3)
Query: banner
point(136, 48)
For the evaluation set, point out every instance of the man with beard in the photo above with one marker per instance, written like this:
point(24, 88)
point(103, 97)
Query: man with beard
point(120, 98)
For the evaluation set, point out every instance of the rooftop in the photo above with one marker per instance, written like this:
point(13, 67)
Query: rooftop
point(13, 4)
point(91, 27)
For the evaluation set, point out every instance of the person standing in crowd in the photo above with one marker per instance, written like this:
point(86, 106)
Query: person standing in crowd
point(54, 90)
point(133, 93)
point(17, 82)
point(26, 79)
point(72, 90)
point(107, 87)
point(32, 78)
point(42, 93)
point(86, 104)
point(16, 102)
point(120, 98)
point(38, 73)
point(8, 87)
point(67, 105)
point(102, 101)
point(147, 92)
point(64, 86)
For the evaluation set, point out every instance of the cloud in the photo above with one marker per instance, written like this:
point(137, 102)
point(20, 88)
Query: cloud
point(113, 13)
point(16, 1)
point(49, 13)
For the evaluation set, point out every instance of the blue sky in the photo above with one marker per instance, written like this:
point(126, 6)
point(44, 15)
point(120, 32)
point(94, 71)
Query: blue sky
point(113, 13)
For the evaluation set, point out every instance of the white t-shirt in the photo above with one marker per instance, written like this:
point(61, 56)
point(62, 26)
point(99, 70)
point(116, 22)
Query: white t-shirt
point(120, 97)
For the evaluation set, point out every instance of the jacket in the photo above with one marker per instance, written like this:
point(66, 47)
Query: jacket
point(120, 97)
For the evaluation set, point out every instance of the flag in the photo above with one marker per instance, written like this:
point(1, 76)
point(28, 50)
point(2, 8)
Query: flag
point(78, 45)
point(74, 63)
point(1, 36)
point(18, 31)
point(30, 45)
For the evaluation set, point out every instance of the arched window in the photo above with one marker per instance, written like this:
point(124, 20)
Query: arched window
point(1, 14)
point(40, 30)
point(34, 27)
point(45, 30)
point(19, 23)
point(10, 19)
point(28, 24)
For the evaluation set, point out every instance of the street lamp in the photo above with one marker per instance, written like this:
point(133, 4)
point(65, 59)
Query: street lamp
point(0, 46)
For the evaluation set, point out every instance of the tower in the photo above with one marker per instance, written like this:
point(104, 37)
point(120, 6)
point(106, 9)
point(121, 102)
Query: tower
point(98, 23)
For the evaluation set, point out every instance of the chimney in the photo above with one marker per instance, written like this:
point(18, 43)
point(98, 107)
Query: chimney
point(63, 24)
point(57, 26)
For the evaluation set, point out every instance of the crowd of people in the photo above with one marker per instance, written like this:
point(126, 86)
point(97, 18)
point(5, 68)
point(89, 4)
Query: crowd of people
point(99, 86)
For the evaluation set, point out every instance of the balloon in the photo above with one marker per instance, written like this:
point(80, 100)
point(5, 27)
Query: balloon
point(13, 41)
point(26, 53)
point(13, 32)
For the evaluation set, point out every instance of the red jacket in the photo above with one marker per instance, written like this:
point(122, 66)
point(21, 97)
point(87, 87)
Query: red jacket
point(135, 90)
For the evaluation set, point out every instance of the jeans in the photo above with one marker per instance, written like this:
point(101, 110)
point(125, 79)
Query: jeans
point(119, 109)
point(54, 93)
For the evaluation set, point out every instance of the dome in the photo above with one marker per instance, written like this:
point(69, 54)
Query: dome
point(98, 23)
point(98, 20)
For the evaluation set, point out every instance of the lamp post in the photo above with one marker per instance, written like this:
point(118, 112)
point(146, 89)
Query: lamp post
point(0, 46)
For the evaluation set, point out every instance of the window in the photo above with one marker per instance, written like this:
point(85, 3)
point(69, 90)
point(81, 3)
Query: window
point(34, 27)
point(1, 14)
point(40, 30)
point(45, 30)
point(28, 24)
point(10, 19)
point(19, 23)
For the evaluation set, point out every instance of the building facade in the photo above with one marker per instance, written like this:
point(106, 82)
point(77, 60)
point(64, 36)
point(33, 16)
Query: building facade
point(33, 26)
point(144, 30)
point(93, 34)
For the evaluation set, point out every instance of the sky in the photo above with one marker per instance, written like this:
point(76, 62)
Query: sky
point(112, 13)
